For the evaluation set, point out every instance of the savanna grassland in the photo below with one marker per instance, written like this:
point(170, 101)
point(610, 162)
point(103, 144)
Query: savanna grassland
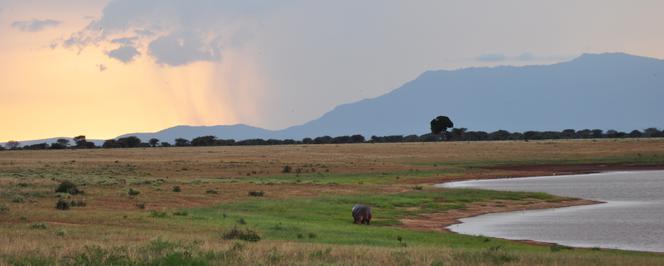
point(290, 205)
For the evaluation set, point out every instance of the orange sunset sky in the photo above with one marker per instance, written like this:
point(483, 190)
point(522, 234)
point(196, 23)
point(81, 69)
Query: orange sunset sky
point(105, 68)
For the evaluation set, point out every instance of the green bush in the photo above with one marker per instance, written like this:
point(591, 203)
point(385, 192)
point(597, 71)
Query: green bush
point(180, 213)
point(287, 169)
point(211, 191)
point(132, 192)
point(177, 189)
point(158, 214)
point(78, 203)
point(256, 193)
point(61, 232)
point(18, 199)
point(246, 235)
point(62, 205)
point(68, 187)
point(39, 226)
point(4, 209)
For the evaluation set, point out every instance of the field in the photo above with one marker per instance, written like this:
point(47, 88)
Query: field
point(290, 205)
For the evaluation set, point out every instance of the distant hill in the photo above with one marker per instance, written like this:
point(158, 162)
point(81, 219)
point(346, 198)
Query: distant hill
point(604, 91)
point(238, 132)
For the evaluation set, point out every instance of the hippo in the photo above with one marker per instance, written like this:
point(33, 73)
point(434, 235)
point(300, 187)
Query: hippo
point(362, 214)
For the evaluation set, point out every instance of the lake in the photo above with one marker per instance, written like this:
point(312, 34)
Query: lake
point(632, 217)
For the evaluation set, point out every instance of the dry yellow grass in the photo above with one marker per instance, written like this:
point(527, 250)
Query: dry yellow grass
point(112, 218)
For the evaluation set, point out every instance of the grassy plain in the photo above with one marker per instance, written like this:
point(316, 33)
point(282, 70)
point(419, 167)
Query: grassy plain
point(303, 215)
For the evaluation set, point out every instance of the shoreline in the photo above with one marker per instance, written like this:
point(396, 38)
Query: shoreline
point(440, 222)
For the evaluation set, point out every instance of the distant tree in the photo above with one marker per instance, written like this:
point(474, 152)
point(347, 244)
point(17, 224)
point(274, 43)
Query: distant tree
point(12, 145)
point(612, 133)
point(584, 134)
point(80, 141)
point(154, 142)
point(458, 134)
point(57, 146)
point(429, 137)
point(129, 142)
point(652, 133)
point(204, 141)
point(63, 142)
point(307, 141)
point(180, 142)
point(224, 142)
point(530, 135)
point(411, 138)
point(357, 138)
point(597, 133)
point(568, 134)
point(500, 135)
point(440, 124)
point(111, 143)
point(2, 148)
point(516, 136)
point(38, 146)
point(635, 134)
point(323, 140)
point(165, 144)
point(341, 139)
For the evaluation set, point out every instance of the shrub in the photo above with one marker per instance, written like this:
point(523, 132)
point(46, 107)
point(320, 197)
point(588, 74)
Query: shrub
point(241, 221)
point(211, 191)
point(256, 193)
point(246, 235)
point(177, 189)
point(180, 213)
point(4, 209)
point(60, 232)
point(39, 226)
point(140, 205)
point(312, 235)
point(157, 214)
point(287, 169)
point(18, 199)
point(418, 187)
point(78, 203)
point(62, 205)
point(68, 187)
point(132, 192)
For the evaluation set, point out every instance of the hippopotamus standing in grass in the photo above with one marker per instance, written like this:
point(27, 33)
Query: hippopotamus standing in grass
point(362, 214)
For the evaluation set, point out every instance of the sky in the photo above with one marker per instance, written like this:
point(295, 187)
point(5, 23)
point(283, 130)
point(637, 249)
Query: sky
point(105, 68)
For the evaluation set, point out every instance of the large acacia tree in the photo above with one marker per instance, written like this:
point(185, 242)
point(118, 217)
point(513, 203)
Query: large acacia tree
point(440, 124)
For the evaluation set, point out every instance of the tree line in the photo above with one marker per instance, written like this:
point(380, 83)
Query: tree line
point(455, 134)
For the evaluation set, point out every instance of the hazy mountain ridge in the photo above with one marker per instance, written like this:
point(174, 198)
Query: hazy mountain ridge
point(605, 91)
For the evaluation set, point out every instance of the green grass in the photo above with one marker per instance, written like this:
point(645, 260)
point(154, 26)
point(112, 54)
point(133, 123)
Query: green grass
point(329, 218)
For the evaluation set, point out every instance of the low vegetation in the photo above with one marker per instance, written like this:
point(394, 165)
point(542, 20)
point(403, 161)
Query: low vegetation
point(224, 216)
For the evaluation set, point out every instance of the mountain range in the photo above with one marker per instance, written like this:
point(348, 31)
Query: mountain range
point(606, 91)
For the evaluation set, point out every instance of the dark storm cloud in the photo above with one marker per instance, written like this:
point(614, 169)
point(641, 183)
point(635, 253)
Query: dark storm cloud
point(172, 32)
point(125, 53)
point(35, 25)
point(183, 48)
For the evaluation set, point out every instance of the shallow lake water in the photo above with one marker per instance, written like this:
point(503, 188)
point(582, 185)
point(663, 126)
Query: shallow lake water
point(632, 217)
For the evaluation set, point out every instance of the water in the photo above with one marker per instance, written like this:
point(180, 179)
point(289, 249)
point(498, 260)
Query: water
point(632, 217)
